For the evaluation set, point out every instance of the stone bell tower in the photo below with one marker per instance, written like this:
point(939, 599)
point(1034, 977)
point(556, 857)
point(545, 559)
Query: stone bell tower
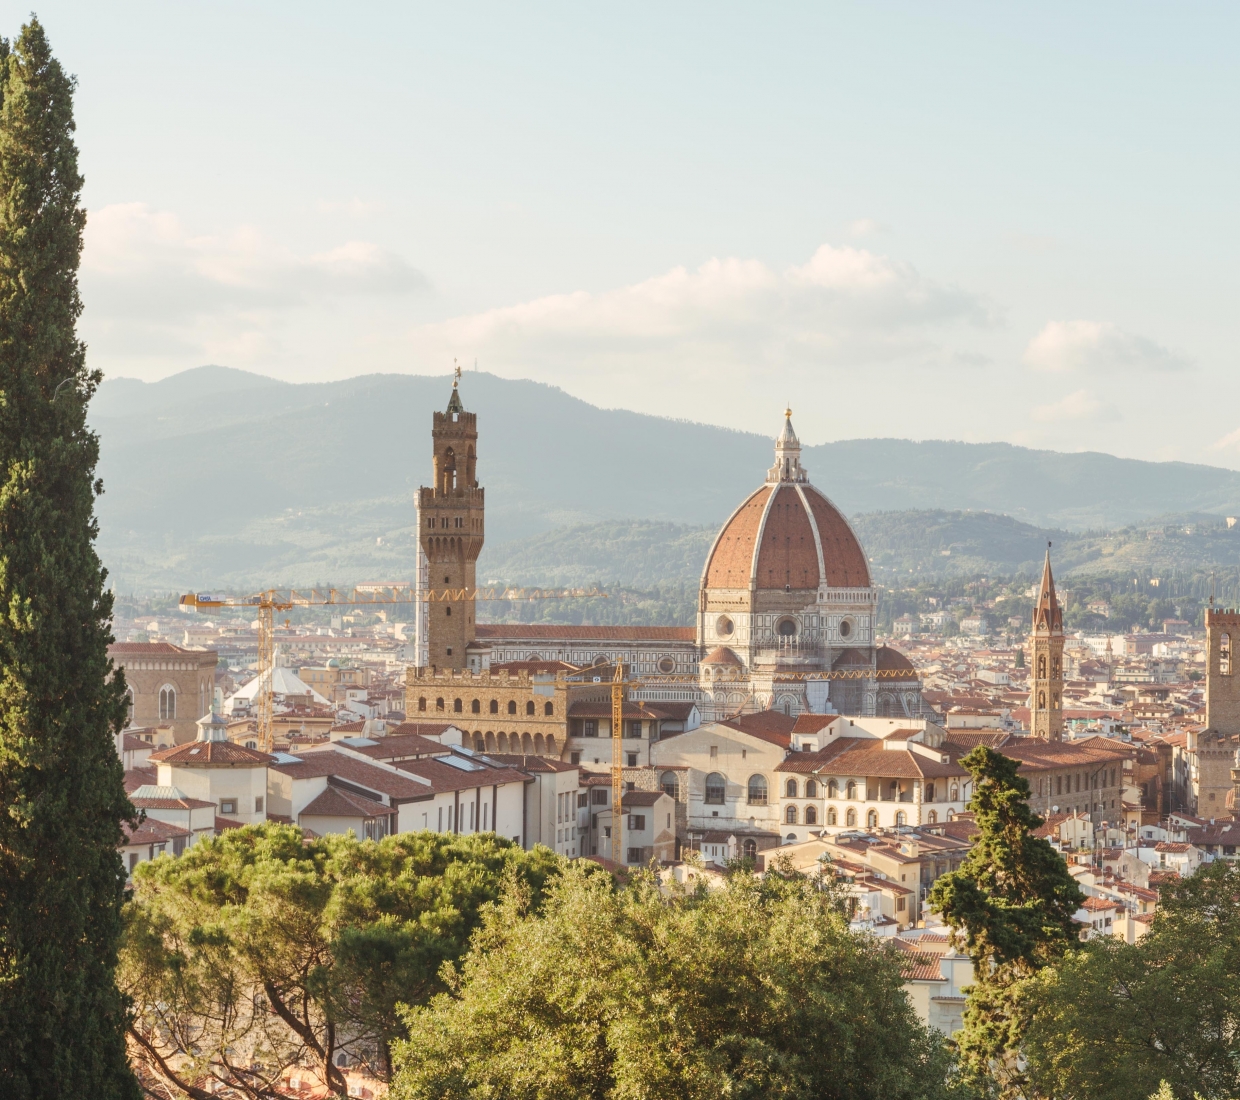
point(1046, 666)
point(450, 521)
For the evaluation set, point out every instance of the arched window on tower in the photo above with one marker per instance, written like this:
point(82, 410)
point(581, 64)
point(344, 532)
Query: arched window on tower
point(494, 706)
point(167, 703)
point(1041, 666)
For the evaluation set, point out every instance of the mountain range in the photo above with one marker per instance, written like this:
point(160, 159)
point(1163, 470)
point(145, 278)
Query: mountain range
point(220, 478)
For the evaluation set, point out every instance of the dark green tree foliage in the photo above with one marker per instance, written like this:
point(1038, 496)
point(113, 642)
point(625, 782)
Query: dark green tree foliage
point(756, 990)
point(1114, 1020)
point(259, 951)
point(61, 1017)
point(1011, 903)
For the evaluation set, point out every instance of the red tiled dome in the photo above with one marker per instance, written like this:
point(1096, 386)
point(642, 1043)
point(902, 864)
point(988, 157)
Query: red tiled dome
point(721, 655)
point(786, 535)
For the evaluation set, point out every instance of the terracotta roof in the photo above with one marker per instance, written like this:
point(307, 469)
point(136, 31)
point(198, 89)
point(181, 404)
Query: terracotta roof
point(879, 763)
point(1101, 903)
point(444, 777)
point(595, 708)
point(970, 739)
point(170, 803)
point(401, 746)
point(334, 802)
point(769, 725)
point(151, 831)
point(152, 649)
point(813, 723)
point(210, 754)
point(1035, 754)
point(223, 824)
point(135, 744)
point(922, 967)
point(892, 660)
point(730, 564)
point(542, 632)
point(139, 777)
point(841, 552)
point(788, 554)
point(721, 655)
point(851, 658)
point(676, 712)
point(329, 762)
point(640, 798)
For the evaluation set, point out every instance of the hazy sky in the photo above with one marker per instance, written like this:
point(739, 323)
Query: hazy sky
point(949, 220)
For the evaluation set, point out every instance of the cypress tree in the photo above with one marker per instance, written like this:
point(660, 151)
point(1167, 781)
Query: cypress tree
point(1012, 902)
point(61, 787)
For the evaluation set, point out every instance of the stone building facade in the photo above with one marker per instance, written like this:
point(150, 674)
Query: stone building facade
point(168, 685)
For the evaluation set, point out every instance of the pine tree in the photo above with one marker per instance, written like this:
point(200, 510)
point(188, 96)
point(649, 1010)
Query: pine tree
point(1012, 903)
point(61, 788)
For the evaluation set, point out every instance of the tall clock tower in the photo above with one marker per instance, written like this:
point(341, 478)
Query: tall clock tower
point(450, 522)
point(1046, 667)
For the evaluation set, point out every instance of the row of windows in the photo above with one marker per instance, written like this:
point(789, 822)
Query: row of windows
point(1063, 784)
point(450, 521)
point(475, 706)
point(716, 789)
point(850, 817)
point(589, 727)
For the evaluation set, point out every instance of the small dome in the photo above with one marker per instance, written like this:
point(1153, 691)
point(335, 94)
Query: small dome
point(722, 656)
point(891, 660)
point(333, 663)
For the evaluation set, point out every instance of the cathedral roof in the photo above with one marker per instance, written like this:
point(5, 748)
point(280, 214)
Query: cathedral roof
point(721, 655)
point(786, 534)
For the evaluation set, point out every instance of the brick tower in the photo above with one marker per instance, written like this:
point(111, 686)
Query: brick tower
point(1046, 663)
point(1216, 745)
point(450, 521)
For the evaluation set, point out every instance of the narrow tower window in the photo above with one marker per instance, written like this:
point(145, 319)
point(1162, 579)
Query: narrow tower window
point(1224, 654)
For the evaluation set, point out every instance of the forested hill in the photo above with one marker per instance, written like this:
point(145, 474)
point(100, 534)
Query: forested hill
point(219, 477)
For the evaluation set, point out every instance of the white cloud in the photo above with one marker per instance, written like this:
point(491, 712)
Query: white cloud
point(1229, 442)
point(153, 287)
point(1078, 405)
point(1078, 346)
point(866, 227)
point(728, 318)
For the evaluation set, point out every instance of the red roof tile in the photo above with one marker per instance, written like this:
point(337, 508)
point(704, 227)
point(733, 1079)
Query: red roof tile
point(210, 754)
point(334, 802)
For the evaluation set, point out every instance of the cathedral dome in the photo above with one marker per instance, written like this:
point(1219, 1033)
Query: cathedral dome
point(786, 534)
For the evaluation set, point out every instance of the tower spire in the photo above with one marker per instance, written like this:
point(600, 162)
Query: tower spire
point(1046, 668)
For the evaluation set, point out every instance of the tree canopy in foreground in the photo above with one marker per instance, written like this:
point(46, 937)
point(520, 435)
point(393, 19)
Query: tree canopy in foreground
point(259, 951)
point(757, 989)
point(1116, 1020)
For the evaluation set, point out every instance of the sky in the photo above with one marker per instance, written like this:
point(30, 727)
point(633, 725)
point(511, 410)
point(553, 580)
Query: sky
point(952, 220)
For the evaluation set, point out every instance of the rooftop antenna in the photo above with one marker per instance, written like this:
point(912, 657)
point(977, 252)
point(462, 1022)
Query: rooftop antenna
point(456, 373)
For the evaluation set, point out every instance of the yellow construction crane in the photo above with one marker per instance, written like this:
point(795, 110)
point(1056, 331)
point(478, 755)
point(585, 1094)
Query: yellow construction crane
point(271, 600)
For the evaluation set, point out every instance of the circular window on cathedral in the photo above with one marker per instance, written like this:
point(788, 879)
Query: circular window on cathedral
point(787, 628)
point(846, 628)
point(724, 626)
point(666, 665)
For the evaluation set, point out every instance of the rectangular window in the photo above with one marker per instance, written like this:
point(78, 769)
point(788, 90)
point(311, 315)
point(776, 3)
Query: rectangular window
point(228, 806)
point(630, 759)
point(900, 904)
point(133, 861)
point(589, 728)
point(598, 796)
point(582, 800)
point(635, 855)
point(258, 804)
point(574, 758)
point(440, 829)
point(635, 729)
point(637, 822)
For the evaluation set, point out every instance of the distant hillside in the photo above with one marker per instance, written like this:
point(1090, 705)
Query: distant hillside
point(216, 477)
